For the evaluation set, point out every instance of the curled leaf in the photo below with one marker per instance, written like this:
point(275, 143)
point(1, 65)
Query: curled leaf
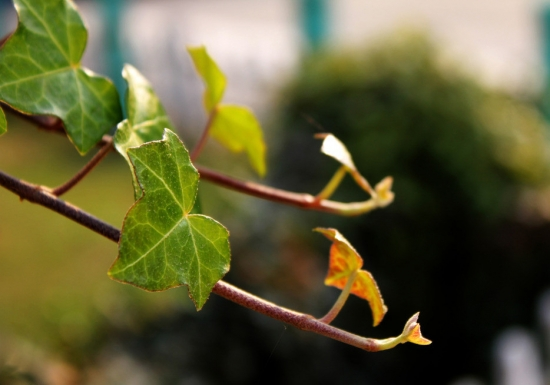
point(344, 260)
point(40, 72)
point(384, 195)
point(163, 245)
point(334, 148)
point(411, 333)
point(211, 74)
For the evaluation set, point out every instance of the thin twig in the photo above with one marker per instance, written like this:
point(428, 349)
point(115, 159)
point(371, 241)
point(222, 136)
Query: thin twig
point(302, 200)
point(35, 194)
point(340, 302)
point(88, 167)
point(205, 134)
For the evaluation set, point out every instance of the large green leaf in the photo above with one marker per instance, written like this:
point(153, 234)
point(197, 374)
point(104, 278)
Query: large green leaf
point(238, 129)
point(211, 74)
point(3, 124)
point(40, 72)
point(162, 245)
point(147, 118)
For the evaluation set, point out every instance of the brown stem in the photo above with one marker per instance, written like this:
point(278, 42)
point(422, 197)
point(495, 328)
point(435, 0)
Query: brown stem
point(35, 194)
point(302, 200)
point(88, 167)
point(204, 137)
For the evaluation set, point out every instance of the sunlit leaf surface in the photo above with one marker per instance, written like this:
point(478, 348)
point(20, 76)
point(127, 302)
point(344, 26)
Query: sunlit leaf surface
point(344, 260)
point(238, 129)
point(147, 118)
point(233, 126)
point(334, 148)
point(40, 72)
point(162, 245)
point(211, 74)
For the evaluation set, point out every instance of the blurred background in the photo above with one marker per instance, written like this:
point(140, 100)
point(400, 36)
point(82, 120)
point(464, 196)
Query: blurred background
point(450, 98)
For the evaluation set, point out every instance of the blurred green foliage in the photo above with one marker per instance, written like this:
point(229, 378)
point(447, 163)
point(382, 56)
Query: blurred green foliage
point(451, 245)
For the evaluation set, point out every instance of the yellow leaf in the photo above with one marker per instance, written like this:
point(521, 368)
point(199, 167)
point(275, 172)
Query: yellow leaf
point(238, 129)
point(211, 74)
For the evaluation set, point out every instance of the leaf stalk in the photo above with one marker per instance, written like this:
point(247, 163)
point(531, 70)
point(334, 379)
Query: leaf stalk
point(340, 302)
point(88, 167)
point(205, 134)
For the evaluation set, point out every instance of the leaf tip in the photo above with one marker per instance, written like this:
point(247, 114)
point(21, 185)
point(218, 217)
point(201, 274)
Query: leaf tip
point(383, 190)
point(411, 332)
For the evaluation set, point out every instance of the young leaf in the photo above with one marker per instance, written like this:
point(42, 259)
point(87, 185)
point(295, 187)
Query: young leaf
point(40, 72)
point(333, 147)
point(147, 118)
point(162, 245)
point(235, 127)
point(238, 129)
point(3, 123)
point(211, 74)
point(344, 260)
point(411, 333)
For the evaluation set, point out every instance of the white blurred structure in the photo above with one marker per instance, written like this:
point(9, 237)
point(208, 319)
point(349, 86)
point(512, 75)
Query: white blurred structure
point(518, 359)
point(259, 43)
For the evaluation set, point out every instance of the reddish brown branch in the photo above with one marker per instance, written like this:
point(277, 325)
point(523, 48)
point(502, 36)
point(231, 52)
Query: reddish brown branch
point(88, 167)
point(36, 194)
point(205, 134)
point(302, 321)
point(302, 200)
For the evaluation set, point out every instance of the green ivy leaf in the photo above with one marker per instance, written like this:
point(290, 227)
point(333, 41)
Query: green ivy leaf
point(162, 245)
point(238, 129)
point(147, 118)
point(235, 127)
point(211, 74)
point(3, 123)
point(40, 72)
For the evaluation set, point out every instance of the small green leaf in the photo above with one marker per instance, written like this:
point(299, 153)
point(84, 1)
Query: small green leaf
point(147, 118)
point(238, 129)
point(40, 72)
point(3, 123)
point(162, 245)
point(211, 74)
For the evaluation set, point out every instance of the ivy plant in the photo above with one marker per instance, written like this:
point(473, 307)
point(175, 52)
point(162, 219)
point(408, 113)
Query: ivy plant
point(165, 241)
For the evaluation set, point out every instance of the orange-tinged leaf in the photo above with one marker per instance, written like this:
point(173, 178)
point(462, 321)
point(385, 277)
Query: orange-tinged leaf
point(365, 287)
point(416, 337)
point(411, 333)
point(343, 261)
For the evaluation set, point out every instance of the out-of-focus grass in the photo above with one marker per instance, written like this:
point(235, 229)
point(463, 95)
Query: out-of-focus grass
point(54, 290)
